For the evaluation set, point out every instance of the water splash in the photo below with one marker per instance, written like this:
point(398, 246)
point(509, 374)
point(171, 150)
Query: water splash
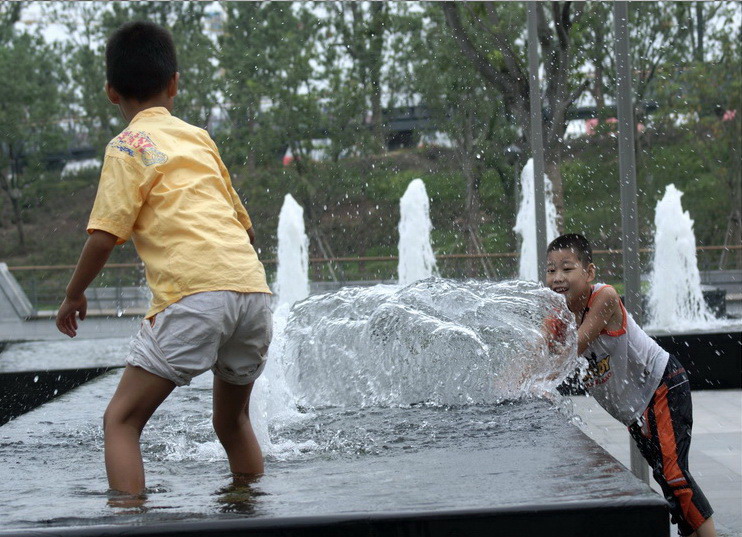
point(292, 280)
point(272, 401)
point(436, 341)
point(675, 296)
point(525, 222)
point(416, 258)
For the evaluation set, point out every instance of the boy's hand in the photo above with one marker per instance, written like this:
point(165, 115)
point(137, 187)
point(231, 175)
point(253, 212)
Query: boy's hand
point(66, 321)
point(556, 331)
point(94, 255)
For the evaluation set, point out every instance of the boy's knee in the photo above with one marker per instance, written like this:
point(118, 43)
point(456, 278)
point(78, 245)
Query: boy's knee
point(116, 417)
point(225, 425)
point(110, 418)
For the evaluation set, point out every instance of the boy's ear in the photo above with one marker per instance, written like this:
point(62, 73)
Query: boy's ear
point(591, 272)
point(112, 94)
point(172, 86)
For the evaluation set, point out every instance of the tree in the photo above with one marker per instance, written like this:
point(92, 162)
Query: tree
point(89, 25)
point(366, 67)
point(711, 112)
point(251, 61)
point(490, 35)
point(342, 95)
point(363, 27)
point(30, 79)
point(268, 56)
point(470, 113)
point(92, 118)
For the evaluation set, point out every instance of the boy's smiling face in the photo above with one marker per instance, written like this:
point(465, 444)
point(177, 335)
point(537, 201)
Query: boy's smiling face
point(568, 276)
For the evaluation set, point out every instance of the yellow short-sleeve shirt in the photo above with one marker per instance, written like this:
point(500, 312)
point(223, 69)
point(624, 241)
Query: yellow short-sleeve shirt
point(164, 185)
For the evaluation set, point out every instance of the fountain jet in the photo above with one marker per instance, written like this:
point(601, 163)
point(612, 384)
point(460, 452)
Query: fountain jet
point(525, 223)
point(416, 258)
point(675, 297)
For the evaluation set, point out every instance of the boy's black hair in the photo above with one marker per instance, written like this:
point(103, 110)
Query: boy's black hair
point(575, 242)
point(140, 60)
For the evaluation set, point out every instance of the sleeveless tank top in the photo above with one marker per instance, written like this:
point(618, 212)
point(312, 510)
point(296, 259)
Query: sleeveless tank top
point(625, 367)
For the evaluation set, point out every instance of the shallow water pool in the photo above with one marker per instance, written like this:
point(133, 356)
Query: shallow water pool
point(330, 461)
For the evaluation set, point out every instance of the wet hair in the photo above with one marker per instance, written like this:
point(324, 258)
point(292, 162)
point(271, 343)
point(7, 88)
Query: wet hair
point(140, 60)
point(575, 242)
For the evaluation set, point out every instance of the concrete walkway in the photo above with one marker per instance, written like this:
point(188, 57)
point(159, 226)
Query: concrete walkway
point(715, 453)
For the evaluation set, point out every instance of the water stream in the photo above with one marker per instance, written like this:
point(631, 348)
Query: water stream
point(416, 258)
point(675, 298)
point(525, 222)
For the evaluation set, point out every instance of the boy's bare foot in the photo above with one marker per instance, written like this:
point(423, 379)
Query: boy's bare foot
point(122, 500)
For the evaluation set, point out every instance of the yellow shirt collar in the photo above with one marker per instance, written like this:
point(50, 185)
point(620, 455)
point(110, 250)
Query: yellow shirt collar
point(151, 112)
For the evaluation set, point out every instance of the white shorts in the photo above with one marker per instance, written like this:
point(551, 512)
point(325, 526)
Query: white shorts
point(225, 331)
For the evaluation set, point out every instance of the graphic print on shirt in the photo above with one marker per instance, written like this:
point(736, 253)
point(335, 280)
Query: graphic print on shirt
point(130, 142)
point(598, 370)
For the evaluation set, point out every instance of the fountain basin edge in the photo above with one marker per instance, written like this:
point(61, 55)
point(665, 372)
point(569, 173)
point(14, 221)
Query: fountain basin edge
point(22, 391)
point(592, 518)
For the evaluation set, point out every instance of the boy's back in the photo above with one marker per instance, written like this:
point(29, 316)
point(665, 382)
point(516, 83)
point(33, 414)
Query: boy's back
point(164, 185)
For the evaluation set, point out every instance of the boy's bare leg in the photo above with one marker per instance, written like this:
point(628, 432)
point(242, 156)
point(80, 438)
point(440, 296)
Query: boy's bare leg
point(138, 395)
point(707, 529)
point(232, 426)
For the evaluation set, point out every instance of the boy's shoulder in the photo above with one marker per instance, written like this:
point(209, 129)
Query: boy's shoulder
point(605, 296)
point(144, 143)
point(605, 289)
point(136, 147)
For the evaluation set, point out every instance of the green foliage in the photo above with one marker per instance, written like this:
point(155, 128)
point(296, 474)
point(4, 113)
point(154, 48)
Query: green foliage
point(30, 77)
point(266, 56)
point(285, 74)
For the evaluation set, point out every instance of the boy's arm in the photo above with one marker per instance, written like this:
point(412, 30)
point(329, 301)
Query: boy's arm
point(92, 259)
point(242, 215)
point(605, 307)
point(239, 208)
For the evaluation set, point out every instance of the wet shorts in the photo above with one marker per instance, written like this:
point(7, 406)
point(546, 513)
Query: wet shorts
point(663, 434)
point(225, 331)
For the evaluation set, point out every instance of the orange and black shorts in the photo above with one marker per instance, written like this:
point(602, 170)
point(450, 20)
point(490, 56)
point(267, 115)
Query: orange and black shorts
point(663, 436)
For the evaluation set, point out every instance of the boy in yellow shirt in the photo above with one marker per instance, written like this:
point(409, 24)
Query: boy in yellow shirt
point(164, 185)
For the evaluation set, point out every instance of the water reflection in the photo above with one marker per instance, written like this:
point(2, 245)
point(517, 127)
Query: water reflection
point(240, 496)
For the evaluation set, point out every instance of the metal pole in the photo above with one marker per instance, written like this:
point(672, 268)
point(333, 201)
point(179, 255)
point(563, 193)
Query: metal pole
point(627, 174)
point(537, 140)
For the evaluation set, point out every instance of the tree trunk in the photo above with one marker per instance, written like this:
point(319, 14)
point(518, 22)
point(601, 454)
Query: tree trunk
point(251, 153)
point(733, 235)
point(472, 214)
point(376, 46)
point(307, 199)
point(471, 219)
point(9, 185)
point(700, 30)
point(16, 202)
point(553, 170)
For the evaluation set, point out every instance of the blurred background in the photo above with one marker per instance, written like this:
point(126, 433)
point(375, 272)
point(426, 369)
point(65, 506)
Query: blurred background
point(342, 104)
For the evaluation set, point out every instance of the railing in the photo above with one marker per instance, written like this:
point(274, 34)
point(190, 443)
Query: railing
point(120, 285)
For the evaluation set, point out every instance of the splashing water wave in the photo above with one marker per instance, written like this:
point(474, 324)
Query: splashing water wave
point(436, 341)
